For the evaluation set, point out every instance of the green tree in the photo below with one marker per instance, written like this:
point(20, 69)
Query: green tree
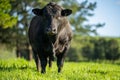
point(88, 51)
point(99, 48)
point(112, 50)
point(6, 20)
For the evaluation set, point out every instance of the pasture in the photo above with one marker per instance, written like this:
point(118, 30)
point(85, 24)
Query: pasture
point(20, 69)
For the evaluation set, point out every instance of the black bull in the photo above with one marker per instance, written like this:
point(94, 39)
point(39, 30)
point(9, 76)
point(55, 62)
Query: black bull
point(50, 35)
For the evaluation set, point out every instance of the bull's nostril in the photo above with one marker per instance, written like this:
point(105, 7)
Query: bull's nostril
point(54, 30)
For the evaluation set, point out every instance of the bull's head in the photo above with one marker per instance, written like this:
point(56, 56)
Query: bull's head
point(52, 15)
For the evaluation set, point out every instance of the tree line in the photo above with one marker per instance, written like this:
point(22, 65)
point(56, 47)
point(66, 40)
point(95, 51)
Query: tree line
point(93, 48)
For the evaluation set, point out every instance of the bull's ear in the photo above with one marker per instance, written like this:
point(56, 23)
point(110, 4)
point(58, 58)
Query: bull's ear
point(37, 11)
point(66, 12)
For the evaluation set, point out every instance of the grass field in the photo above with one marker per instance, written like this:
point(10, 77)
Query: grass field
point(20, 69)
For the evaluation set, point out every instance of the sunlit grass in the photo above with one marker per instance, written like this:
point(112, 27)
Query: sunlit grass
point(20, 69)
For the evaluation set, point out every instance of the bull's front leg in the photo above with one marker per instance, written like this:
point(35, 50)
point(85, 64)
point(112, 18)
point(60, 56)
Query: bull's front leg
point(43, 61)
point(50, 62)
point(60, 62)
point(37, 60)
point(51, 58)
point(61, 57)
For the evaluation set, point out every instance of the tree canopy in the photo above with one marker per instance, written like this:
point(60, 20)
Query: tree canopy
point(6, 20)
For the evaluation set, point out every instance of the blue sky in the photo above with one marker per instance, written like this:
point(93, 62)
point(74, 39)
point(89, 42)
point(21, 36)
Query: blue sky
point(107, 11)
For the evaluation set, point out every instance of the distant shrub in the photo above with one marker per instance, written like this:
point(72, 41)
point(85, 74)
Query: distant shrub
point(87, 51)
point(94, 48)
point(112, 50)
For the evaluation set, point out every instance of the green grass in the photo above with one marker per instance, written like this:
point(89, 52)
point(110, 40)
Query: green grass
point(20, 69)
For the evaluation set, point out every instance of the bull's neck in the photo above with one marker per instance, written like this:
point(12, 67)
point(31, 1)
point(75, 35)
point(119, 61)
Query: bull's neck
point(52, 38)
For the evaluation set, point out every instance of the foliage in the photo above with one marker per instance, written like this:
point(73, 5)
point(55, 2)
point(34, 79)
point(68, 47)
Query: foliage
point(112, 50)
point(99, 48)
point(19, 69)
point(106, 49)
point(94, 48)
point(87, 51)
point(6, 20)
point(7, 35)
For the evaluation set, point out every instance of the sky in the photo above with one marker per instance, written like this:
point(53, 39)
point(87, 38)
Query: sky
point(108, 12)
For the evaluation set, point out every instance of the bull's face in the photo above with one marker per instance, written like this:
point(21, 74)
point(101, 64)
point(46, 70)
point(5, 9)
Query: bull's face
point(52, 15)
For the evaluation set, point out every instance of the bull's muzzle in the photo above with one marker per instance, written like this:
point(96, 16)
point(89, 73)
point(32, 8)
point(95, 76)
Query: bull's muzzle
point(50, 31)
